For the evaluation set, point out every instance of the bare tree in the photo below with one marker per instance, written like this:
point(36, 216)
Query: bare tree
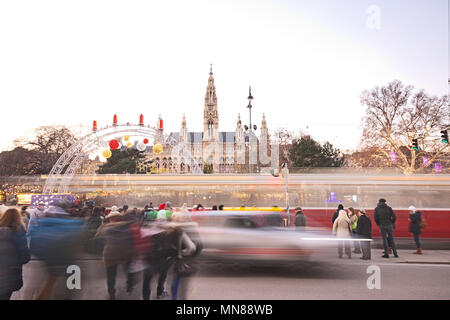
point(284, 138)
point(395, 116)
point(48, 144)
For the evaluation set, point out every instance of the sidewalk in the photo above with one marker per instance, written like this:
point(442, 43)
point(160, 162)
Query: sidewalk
point(407, 256)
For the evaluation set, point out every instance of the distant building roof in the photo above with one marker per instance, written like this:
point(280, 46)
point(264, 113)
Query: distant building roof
point(191, 136)
point(227, 137)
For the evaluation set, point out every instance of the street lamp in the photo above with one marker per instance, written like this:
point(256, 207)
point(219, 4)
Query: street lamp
point(249, 129)
point(285, 173)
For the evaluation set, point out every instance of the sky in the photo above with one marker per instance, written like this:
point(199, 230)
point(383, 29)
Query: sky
point(72, 62)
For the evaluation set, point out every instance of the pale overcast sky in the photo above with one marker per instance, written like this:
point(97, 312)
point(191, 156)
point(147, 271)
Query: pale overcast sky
point(70, 62)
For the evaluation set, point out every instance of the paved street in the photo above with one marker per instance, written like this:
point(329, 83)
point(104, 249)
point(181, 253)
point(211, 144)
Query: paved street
point(409, 277)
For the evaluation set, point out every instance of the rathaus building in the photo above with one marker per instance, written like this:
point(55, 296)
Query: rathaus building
point(214, 151)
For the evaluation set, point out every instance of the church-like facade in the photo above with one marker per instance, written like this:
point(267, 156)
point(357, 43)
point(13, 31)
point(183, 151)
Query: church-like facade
point(214, 151)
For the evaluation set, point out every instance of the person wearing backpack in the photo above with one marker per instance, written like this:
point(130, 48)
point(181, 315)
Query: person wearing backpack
point(416, 223)
point(159, 258)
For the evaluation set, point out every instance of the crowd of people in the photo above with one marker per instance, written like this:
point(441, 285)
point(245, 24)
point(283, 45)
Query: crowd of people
point(149, 241)
point(348, 225)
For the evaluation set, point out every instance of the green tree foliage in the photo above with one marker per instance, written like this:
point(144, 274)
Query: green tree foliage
point(122, 161)
point(306, 152)
point(207, 168)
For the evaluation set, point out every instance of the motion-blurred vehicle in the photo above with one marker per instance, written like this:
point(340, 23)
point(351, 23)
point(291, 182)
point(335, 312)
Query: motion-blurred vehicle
point(253, 237)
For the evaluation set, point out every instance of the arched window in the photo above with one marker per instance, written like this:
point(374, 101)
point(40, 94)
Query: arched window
point(210, 128)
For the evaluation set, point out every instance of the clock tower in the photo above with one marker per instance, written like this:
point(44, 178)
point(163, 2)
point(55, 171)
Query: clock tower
point(210, 114)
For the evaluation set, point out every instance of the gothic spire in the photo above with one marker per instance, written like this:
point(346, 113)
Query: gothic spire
point(264, 123)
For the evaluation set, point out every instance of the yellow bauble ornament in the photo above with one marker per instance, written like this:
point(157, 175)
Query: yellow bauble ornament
point(157, 148)
point(126, 138)
point(107, 153)
point(129, 144)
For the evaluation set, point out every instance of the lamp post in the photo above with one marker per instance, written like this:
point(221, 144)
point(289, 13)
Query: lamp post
point(285, 175)
point(250, 132)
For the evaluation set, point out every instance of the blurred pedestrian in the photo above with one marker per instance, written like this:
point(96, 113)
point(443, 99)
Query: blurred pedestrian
point(354, 220)
point(364, 231)
point(86, 211)
point(214, 208)
point(55, 238)
point(336, 213)
point(300, 219)
point(150, 214)
point(114, 215)
point(36, 213)
point(385, 219)
point(221, 207)
point(165, 212)
point(160, 257)
point(118, 250)
point(342, 228)
point(14, 252)
point(25, 215)
point(181, 215)
point(184, 265)
point(415, 219)
point(93, 223)
point(199, 207)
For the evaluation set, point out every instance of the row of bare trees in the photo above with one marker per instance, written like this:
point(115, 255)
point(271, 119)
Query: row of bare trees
point(38, 154)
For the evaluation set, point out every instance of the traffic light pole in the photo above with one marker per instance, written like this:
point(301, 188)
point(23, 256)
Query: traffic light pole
point(286, 173)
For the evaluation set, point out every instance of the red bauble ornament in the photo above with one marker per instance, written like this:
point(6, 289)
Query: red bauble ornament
point(114, 144)
point(146, 141)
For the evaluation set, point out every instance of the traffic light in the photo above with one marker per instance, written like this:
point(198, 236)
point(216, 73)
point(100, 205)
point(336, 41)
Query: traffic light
point(415, 144)
point(444, 136)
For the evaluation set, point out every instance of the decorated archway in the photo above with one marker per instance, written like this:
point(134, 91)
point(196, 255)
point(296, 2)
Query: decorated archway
point(66, 166)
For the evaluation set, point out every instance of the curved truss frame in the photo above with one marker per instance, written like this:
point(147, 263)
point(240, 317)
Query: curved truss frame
point(70, 161)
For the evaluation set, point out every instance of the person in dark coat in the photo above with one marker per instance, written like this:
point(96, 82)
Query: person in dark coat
point(385, 219)
point(93, 224)
point(118, 250)
point(162, 254)
point(364, 231)
point(13, 252)
point(336, 214)
point(300, 219)
point(415, 217)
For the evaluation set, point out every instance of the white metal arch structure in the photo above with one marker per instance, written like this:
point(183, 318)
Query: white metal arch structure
point(67, 165)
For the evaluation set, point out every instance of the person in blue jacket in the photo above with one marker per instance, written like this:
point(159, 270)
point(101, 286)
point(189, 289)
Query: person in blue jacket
point(55, 238)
